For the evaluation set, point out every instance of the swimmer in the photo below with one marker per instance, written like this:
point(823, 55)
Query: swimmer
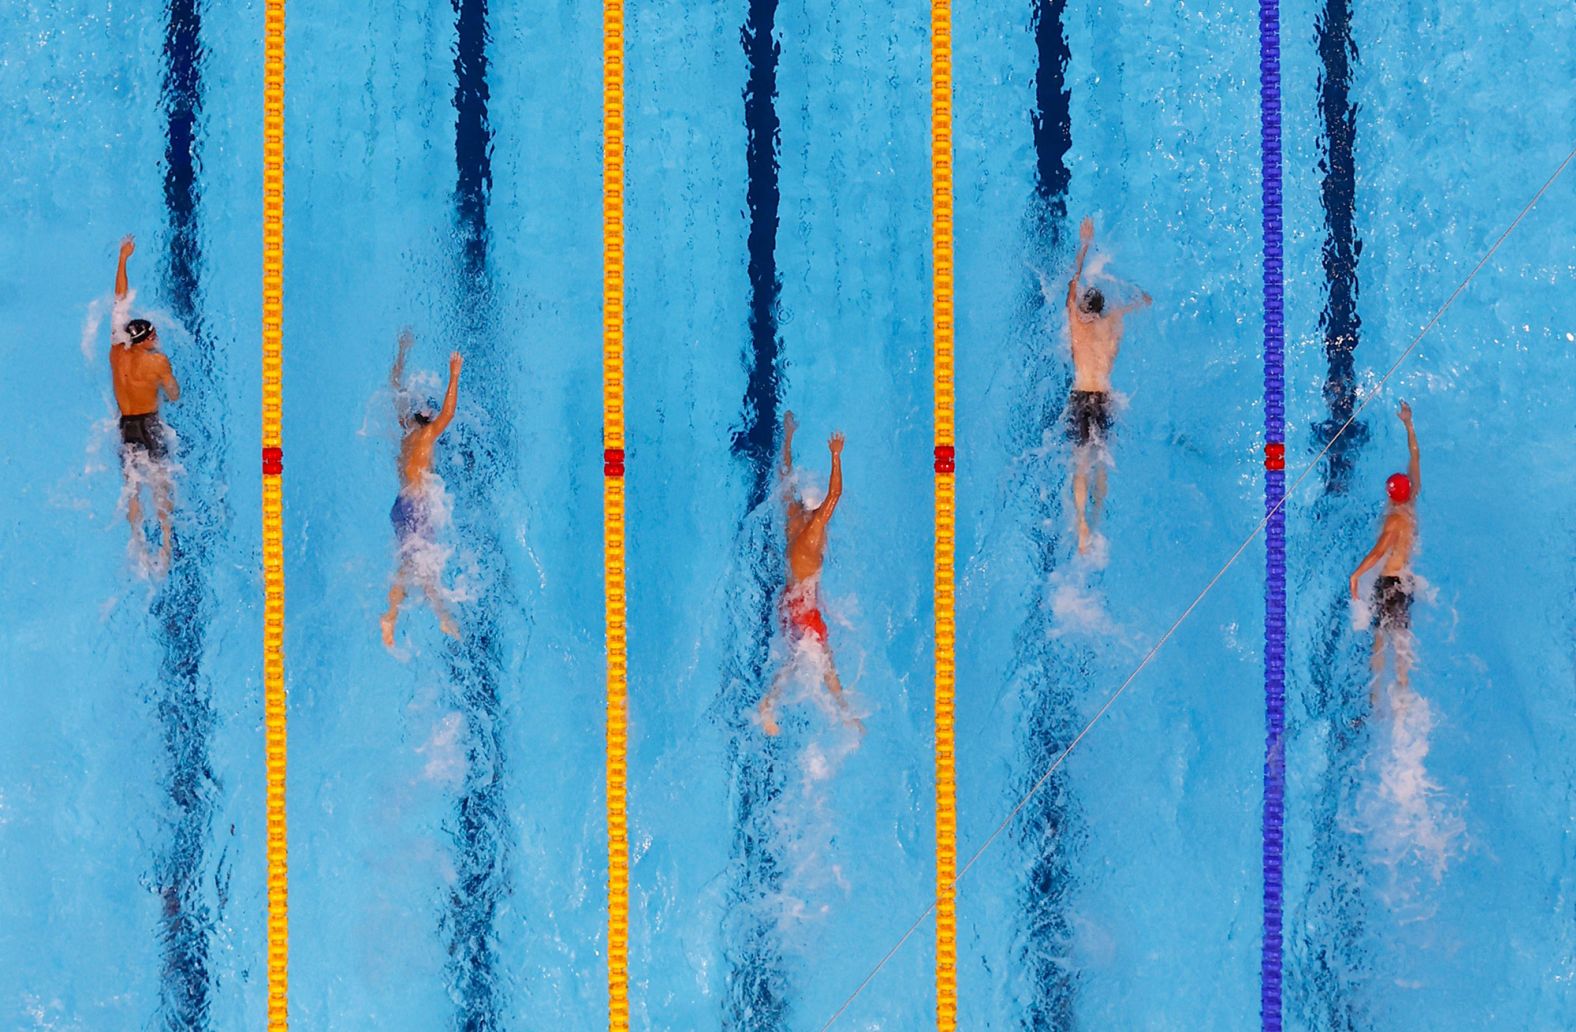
point(1392, 591)
point(801, 609)
point(1096, 332)
point(410, 514)
point(140, 373)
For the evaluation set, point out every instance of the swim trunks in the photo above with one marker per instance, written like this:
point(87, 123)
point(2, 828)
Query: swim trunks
point(1088, 416)
point(803, 615)
point(1392, 604)
point(144, 433)
point(409, 518)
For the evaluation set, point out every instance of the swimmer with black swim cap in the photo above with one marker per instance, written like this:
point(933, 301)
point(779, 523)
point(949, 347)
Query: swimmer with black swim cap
point(1392, 590)
point(1096, 337)
point(141, 374)
point(410, 514)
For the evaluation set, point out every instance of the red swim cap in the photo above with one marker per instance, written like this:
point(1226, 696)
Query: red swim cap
point(1399, 488)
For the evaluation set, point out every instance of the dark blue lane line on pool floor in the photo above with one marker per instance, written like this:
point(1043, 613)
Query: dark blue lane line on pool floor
point(1329, 953)
point(478, 456)
point(757, 978)
point(1046, 670)
point(182, 606)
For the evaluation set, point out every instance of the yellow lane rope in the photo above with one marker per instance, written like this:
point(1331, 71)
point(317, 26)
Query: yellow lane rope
point(1199, 598)
point(273, 514)
point(946, 507)
point(613, 511)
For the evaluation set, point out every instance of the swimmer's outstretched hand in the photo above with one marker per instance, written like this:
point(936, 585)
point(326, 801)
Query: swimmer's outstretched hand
point(836, 443)
point(1086, 229)
point(456, 360)
point(128, 244)
point(1406, 414)
point(790, 424)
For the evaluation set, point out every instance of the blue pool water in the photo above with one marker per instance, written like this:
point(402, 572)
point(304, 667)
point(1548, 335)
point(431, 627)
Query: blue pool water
point(447, 843)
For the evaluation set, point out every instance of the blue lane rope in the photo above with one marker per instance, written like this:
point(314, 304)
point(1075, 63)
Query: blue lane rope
point(1275, 516)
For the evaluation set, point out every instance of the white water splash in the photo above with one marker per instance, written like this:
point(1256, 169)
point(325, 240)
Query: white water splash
point(444, 751)
point(1413, 827)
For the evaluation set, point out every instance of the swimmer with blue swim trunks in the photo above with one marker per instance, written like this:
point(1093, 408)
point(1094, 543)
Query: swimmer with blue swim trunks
point(1095, 329)
point(140, 374)
point(411, 512)
point(1392, 590)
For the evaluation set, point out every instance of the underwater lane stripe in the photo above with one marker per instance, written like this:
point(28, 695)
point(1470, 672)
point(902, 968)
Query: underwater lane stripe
point(946, 508)
point(273, 515)
point(1274, 836)
point(613, 512)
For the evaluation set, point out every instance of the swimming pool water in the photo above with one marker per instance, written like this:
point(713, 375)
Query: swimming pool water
point(447, 843)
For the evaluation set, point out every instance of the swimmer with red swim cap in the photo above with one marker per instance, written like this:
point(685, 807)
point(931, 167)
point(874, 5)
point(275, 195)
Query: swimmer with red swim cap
point(801, 608)
point(1392, 591)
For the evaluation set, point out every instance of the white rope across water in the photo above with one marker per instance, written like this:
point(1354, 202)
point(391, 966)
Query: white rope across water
point(1243, 547)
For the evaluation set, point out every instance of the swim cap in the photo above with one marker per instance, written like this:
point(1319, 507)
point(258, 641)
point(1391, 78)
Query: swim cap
point(1399, 488)
point(138, 330)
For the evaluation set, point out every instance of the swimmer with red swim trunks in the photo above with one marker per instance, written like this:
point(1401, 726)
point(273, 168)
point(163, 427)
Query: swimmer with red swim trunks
point(410, 515)
point(1392, 591)
point(801, 608)
point(140, 373)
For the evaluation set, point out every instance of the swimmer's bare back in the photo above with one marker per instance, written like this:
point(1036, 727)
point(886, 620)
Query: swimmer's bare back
point(415, 450)
point(138, 371)
point(807, 527)
point(1093, 327)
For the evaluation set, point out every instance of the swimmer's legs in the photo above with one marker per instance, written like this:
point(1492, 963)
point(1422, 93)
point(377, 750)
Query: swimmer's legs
point(446, 622)
point(1377, 666)
point(1099, 493)
point(1402, 645)
point(162, 505)
point(835, 686)
point(396, 597)
point(1081, 496)
point(767, 707)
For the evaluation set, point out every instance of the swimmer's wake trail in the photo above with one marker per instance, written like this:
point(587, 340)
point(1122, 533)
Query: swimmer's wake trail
point(182, 607)
point(480, 822)
point(1330, 951)
point(1042, 670)
point(757, 979)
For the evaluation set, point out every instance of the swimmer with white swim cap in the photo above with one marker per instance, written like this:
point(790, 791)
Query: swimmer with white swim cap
point(801, 606)
point(410, 515)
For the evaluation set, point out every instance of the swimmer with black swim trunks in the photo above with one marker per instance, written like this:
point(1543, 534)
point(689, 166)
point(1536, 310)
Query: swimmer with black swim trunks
point(140, 373)
point(1096, 333)
point(1392, 590)
point(801, 608)
point(410, 514)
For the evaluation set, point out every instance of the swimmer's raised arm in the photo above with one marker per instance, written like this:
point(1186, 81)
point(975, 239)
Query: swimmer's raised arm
point(451, 396)
point(1085, 238)
point(1386, 539)
point(1414, 468)
point(397, 374)
point(127, 246)
point(834, 487)
point(789, 426)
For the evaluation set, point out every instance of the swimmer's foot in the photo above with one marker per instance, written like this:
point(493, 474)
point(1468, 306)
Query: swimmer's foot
point(1083, 537)
point(449, 627)
point(768, 717)
point(387, 623)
